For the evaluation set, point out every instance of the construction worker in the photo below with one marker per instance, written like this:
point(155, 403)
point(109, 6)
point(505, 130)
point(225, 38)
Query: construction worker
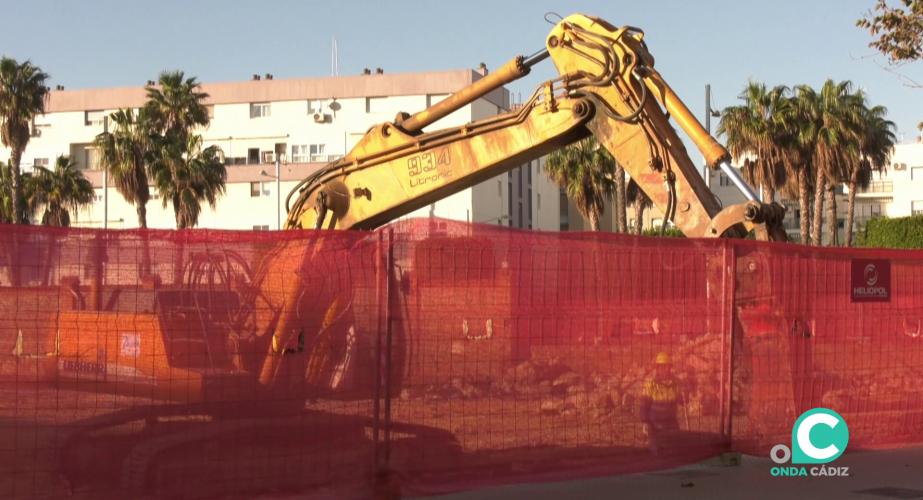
point(659, 404)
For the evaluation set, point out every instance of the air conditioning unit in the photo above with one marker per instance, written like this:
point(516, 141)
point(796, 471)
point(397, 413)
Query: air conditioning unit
point(320, 117)
point(899, 166)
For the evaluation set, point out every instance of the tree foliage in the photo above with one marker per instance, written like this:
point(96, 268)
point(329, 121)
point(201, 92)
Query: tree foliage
point(23, 93)
point(125, 153)
point(586, 172)
point(186, 175)
point(897, 31)
point(59, 191)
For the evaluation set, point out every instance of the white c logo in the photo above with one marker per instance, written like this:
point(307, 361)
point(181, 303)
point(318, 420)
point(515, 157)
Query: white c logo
point(804, 436)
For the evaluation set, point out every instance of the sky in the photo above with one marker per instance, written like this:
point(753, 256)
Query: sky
point(104, 43)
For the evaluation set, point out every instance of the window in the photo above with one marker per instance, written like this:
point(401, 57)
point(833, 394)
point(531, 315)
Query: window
point(916, 173)
point(374, 104)
point(538, 201)
point(315, 106)
point(259, 188)
point(84, 155)
point(916, 207)
point(40, 162)
point(253, 156)
point(317, 152)
point(267, 157)
point(94, 117)
point(723, 180)
point(299, 153)
point(259, 109)
point(261, 227)
point(509, 196)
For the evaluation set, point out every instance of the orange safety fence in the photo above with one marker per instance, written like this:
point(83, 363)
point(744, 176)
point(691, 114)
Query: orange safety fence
point(431, 356)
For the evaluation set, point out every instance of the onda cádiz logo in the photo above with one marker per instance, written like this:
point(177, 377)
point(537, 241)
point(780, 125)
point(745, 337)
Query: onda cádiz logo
point(819, 437)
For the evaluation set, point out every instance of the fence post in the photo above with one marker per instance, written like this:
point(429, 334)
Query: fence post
point(376, 404)
point(729, 315)
point(384, 485)
point(389, 277)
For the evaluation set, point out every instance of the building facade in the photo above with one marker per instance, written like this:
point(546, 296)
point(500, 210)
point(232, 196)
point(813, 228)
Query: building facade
point(305, 123)
point(896, 191)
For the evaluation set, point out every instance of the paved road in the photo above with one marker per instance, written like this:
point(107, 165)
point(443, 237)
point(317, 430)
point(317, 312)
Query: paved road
point(882, 475)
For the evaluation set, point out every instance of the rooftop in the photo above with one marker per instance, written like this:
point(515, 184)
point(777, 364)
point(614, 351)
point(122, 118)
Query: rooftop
point(340, 87)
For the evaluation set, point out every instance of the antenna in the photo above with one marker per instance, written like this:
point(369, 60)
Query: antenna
point(334, 58)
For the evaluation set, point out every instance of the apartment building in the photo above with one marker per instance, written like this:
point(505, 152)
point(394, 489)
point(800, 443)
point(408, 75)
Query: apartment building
point(896, 191)
point(303, 122)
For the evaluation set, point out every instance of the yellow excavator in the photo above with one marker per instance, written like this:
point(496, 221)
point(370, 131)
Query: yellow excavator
point(607, 88)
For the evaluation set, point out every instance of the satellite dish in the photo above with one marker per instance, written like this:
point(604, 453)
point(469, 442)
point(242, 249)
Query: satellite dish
point(334, 105)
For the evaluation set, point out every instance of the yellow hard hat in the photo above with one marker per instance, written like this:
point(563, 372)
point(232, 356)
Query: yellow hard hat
point(662, 359)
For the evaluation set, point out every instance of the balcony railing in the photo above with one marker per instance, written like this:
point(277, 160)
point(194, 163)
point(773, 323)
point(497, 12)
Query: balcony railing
point(879, 187)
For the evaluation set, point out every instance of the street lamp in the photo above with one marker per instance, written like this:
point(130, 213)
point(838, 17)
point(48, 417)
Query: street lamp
point(709, 114)
point(105, 180)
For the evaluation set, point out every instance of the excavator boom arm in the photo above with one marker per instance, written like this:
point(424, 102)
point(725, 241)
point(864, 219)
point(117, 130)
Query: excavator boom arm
point(608, 88)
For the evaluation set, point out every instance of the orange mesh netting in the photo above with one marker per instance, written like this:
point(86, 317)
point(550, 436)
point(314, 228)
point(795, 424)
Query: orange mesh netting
point(431, 356)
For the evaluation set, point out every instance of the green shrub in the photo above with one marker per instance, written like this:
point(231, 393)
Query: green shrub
point(902, 232)
point(671, 232)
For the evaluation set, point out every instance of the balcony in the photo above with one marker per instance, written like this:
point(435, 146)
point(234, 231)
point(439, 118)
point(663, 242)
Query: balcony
point(877, 189)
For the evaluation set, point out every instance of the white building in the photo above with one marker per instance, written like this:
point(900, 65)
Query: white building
point(310, 120)
point(898, 190)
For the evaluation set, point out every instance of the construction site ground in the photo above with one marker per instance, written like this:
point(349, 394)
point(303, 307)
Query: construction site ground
point(890, 474)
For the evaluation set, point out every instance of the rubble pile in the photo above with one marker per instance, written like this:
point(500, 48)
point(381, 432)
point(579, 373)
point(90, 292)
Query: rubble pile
point(561, 389)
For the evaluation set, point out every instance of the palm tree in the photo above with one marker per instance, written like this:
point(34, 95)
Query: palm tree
point(826, 117)
point(59, 192)
point(586, 172)
point(22, 96)
point(175, 106)
point(639, 199)
point(186, 175)
point(621, 200)
point(799, 140)
point(876, 138)
point(755, 133)
point(124, 153)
